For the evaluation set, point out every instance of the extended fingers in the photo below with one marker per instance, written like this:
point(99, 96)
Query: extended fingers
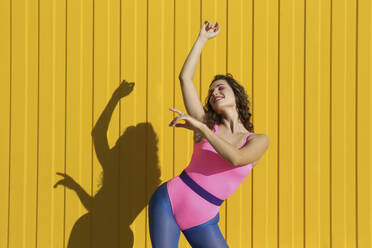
point(181, 117)
point(176, 110)
point(208, 25)
point(211, 26)
point(178, 117)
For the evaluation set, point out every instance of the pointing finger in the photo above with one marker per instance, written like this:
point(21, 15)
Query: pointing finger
point(176, 110)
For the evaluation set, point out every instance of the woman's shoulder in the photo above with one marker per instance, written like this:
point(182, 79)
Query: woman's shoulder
point(256, 135)
point(198, 136)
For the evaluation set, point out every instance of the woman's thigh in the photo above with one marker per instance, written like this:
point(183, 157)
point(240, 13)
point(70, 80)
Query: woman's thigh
point(206, 235)
point(164, 231)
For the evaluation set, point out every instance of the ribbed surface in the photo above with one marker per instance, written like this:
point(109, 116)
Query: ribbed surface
point(306, 65)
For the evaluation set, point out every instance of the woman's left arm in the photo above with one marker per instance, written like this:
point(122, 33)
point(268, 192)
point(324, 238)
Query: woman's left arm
point(248, 154)
point(254, 150)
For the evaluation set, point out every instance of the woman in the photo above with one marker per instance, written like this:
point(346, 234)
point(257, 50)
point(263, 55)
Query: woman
point(225, 151)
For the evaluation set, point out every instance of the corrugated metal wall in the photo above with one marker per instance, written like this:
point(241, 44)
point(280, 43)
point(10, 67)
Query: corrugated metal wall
point(305, 64)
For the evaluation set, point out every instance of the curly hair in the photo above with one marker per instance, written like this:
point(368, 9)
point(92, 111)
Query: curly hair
point(242, 104)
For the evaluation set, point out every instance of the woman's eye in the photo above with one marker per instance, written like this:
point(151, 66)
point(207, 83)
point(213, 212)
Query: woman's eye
point(222, 87)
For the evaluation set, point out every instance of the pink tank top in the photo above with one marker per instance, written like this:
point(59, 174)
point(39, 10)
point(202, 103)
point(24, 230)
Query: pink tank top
point(213, 173)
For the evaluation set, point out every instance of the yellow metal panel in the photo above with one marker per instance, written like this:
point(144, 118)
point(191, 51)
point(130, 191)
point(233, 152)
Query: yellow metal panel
point(56, 35)
point(363, 124)
point(46, 207)
point(52, 58)
point(316, 144)
point(5, 87)
point(291, 125)
point(265, 94)
point(24, 125)
point(342, 118)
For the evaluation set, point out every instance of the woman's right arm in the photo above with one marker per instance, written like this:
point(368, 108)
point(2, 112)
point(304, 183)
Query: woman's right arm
point(190, 96)
point(188, 69)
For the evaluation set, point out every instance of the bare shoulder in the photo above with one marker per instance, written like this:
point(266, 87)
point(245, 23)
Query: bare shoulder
point(263, 142)
point(258, 136)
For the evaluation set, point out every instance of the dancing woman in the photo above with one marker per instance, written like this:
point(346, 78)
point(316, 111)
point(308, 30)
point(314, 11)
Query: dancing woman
point(225, 151)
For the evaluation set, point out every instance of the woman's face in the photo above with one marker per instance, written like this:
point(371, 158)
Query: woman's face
point(221, 95)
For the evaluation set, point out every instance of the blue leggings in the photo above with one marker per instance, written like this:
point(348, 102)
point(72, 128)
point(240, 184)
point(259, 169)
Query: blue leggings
point(165, 233)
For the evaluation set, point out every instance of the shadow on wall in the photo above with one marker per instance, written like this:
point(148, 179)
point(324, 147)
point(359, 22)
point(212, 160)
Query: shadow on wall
point(130, 175)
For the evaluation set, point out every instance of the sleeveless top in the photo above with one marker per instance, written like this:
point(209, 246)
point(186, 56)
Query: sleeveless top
point(213, 173)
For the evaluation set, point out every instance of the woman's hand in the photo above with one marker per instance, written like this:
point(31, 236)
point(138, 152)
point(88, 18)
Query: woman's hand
point(191, 123)
point(209, 30)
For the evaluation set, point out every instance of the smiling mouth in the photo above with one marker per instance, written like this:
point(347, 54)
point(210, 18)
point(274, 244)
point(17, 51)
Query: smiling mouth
point(220, 98)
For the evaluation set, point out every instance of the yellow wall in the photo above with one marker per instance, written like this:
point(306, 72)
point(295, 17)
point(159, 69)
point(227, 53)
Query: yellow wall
point(305, 64)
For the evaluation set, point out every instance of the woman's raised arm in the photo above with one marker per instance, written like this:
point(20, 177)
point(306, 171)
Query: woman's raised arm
point(190, 96)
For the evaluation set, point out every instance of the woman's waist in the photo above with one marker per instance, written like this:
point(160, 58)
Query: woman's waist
point(181, 194)
point(213, 187)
